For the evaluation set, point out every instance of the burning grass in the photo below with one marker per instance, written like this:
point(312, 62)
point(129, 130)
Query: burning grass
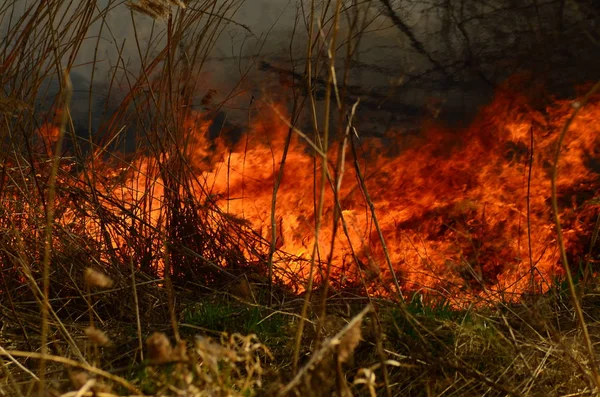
point(461, 233)
point(467, 219)
point(289, 261)
point(470, 221)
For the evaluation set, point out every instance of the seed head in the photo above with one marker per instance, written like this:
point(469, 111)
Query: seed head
point(159, 348)
point(94, 278)
point(349, 342)
point(79, 379)
point(97, 336)
point(157, 9)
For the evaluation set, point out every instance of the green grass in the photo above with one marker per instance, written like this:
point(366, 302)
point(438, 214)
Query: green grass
point(230, 317)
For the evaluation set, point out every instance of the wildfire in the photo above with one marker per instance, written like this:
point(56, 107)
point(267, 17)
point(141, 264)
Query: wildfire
point(462, 212)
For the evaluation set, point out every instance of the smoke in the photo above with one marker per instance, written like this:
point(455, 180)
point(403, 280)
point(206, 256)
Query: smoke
point(440, 59)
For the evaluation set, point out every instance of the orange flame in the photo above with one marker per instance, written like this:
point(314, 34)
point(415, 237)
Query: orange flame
point(452, 205)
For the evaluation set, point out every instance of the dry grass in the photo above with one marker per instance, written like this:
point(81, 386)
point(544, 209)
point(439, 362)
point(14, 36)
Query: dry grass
point(510, 350)
point(97, 297)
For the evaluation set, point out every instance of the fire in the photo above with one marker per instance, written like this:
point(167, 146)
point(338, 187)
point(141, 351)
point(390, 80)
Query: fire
point(49, 132)
point(463, 213)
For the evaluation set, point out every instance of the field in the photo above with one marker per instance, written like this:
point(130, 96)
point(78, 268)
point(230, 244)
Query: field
point(198, 231)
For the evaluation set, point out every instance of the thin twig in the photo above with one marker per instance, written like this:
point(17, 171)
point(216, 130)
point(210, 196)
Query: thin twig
point(559, 236)
point(67, 92)
point(530, 248)
point(75, 364)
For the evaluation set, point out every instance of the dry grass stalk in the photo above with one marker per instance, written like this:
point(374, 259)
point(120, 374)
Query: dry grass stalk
point(233, 366)
point(211, 353)
point(75, 364)
point(11, 107)
point(594, 374)
point(180, 351)
point(341, 340)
